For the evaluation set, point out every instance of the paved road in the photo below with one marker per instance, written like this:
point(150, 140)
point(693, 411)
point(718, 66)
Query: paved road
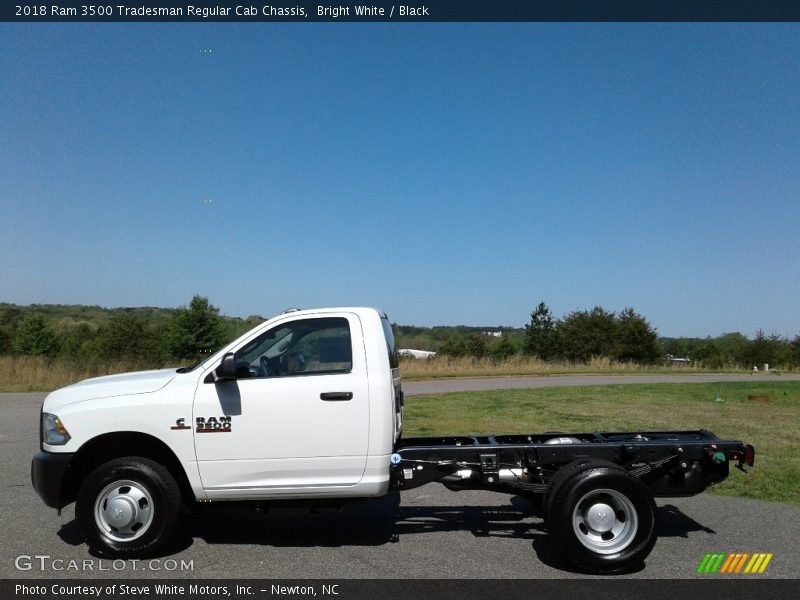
point(437, 533)
point(440, 386)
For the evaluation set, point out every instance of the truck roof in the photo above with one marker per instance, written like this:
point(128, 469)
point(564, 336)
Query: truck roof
point(359, 310)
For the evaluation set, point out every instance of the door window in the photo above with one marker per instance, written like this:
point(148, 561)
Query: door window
point(302, 347)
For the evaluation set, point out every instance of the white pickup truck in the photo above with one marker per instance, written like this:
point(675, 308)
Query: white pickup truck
point(308, 407)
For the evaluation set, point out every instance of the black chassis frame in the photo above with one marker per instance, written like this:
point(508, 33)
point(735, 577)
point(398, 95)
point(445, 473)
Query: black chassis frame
point(670, 463)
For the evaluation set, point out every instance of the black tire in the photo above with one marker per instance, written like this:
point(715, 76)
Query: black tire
point(603, 519)
point(563, 475)
point(129, 507)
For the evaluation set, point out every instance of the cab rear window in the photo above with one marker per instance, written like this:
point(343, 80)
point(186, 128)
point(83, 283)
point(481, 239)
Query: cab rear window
point(394, 359)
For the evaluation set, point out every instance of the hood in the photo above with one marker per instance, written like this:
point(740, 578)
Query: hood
point(140, 382)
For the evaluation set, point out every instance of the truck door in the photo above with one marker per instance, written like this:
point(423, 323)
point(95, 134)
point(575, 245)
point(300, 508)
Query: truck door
point(296, 418)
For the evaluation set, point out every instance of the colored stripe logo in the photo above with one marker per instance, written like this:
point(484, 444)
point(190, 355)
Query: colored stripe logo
point(734, 563)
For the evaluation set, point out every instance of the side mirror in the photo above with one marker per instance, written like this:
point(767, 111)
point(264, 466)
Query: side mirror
point(226, 371)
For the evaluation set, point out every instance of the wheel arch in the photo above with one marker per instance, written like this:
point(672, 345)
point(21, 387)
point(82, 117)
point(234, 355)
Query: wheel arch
point(119, 444)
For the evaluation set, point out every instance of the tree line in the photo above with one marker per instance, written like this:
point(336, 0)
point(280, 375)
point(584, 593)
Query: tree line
point(626, 336)
point(155, 337)
point(735, 349)
point(578, 337)
point(186, 335)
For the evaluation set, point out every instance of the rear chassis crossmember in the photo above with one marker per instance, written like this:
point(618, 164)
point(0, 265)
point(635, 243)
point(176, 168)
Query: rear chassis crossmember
point(670, 463)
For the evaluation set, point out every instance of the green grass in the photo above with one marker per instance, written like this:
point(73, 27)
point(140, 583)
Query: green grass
point(773, 427)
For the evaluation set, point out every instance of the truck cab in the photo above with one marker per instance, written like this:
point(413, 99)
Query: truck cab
point(306, 405)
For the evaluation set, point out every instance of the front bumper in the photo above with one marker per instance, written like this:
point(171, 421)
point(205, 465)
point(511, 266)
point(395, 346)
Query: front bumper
point(48, 470)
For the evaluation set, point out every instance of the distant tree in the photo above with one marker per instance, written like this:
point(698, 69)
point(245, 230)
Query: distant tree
point(503, 349)
point(777, 344)
point(540, 334)
point(681, 347)
point(5, 341)
point(453, 346)
point(707, 353)
point(795, 351)
point(784, 354)
point(416, 342)
point(732, 348)
point(475, 345)
point(672, 346)
point(35, 337)
point(583, 334)
point(635, 340)
point(195, 331)
point(127, 337)
point(406, 329)
point(10, 316)
point(762, 349)
point(74, 340)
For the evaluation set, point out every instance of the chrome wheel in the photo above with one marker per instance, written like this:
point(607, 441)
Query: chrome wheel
point(605, 521)
point(123, 511)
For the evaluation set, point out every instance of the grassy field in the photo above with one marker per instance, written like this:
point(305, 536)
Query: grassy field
point(445, 366)
point(37, 374)
point(772, 427)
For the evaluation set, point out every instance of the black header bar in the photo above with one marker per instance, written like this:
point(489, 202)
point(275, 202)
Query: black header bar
point(419, 11)
point(394, 589)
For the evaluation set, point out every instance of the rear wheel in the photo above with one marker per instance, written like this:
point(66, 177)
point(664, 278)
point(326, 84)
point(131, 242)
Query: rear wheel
point(565, 474)
point(603, 519)
point(128, 507)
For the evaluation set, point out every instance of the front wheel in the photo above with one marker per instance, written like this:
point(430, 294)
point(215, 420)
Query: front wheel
point(128, 507)
point(603, 519)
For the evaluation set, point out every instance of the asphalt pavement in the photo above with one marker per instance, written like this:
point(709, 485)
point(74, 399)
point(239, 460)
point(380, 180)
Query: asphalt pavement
point(428, 532)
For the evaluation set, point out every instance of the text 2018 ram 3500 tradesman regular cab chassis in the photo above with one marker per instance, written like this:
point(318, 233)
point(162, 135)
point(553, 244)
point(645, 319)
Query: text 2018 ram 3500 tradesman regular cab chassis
point(308, 407)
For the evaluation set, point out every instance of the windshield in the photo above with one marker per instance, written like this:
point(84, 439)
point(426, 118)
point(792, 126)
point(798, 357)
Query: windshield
point(216, 356)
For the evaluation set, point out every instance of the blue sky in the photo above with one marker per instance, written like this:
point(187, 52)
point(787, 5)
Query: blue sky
point(447, 173)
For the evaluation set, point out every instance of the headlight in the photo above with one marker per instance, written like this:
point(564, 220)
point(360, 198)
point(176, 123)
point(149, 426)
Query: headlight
point(53, 431)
